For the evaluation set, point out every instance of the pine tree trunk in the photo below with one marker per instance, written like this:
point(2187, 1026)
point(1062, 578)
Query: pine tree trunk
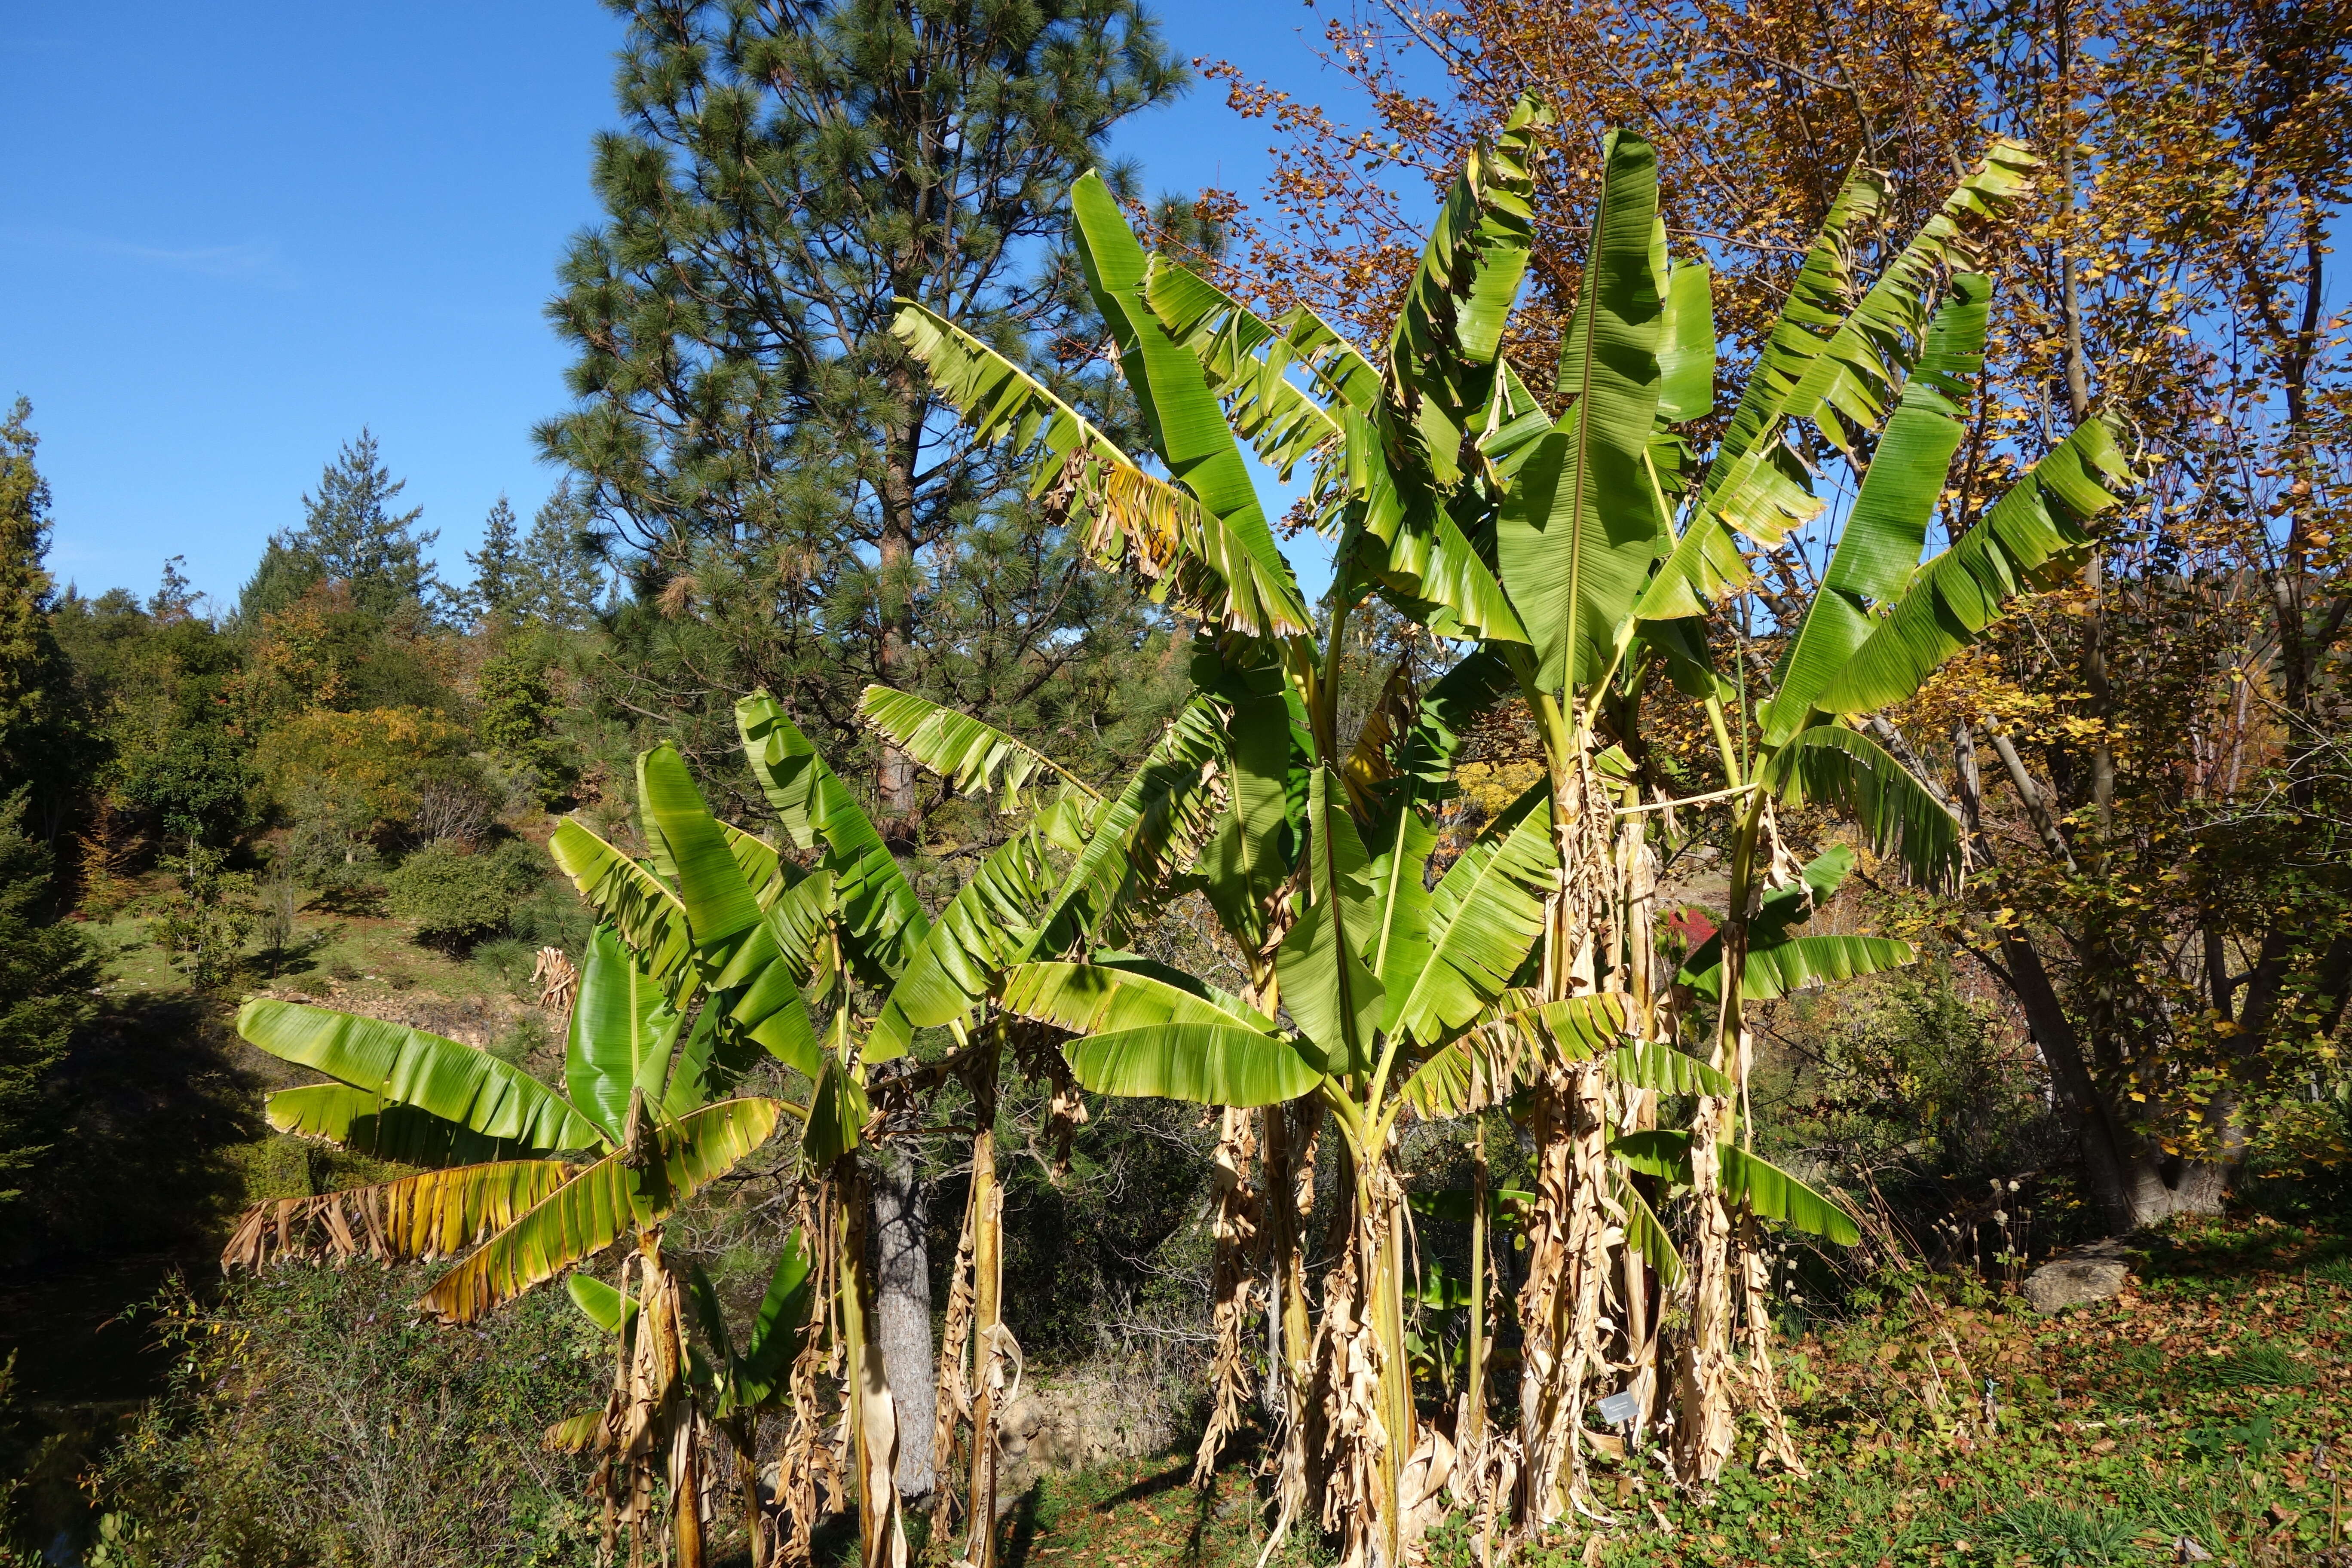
point(902, 1314)
point(896, 608)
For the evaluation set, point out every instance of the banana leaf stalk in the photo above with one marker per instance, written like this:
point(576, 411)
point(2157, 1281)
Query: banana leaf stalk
point(653, 1428)
point(1237, 1227)
point(989, 1337)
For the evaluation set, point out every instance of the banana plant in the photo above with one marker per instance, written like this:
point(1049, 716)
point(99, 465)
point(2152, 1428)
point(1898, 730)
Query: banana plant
point(722, 917)
point(1575, 547)
point(541, 1179)
point(641, 1420)
point(1023, 901)
point(757, 940)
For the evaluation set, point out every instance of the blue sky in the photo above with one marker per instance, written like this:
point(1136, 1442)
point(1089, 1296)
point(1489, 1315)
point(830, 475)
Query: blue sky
point(235, 234)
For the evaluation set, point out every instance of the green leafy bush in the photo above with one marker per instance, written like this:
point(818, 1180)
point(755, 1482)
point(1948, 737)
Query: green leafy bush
point(313, 1417)
point(456, 898)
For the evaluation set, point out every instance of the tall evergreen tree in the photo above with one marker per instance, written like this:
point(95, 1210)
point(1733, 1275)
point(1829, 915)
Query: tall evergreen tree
point(748, 424)
point(499, 578)
point(36, 685)
point(558, 575)
point(47, 971)
point(349, 536)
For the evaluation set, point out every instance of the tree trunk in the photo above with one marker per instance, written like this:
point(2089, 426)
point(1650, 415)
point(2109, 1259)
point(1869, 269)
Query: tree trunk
point(895, 609)
point(902, 1313)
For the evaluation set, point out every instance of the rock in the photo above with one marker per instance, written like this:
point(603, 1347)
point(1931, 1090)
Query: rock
point(2075, 1281)
point(1079, 1421)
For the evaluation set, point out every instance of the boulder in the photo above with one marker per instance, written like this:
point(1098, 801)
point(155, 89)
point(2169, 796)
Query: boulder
point(1080, 1421)
point(2074, 1282)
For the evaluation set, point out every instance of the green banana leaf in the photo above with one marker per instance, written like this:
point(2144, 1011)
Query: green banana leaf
point(1662, 1152)
point(768, 874)
point(1247, 360)
point(704, 1069)
point(1423, 561)
point(1775, 968)
point(837, 1111)
point(400, 1066)
point(1879, 547)
point(1579, 531)
point(1774, 1194)
point(600, 1304)
point(1755, 482)
point(1503, 1204)
point(1433, 1286)
point(1151, 968)
point(1450, 327)
point(1217, 564)
point(884, 921)
point(1834, 765)
point(364, 1124)
point(998, 400)
point(634, 903)
point(1098, 998)
point(1429, 747)
point(1516, 422)
point(2033, 535)
point(1334, 998)
point(1819, 301)
point(1687, 342)
point(1132, 830)
point(755, 963)
point(1483, 915)
point(971, 756)
point(1186, 426)
point(599, 1206)
point(1648, 1064)
point(1399, 945)
point(1525, 1035)
point(1779, 910)
point(777, 1328)
point(986, 929)
point(1648, 1236)
point(1259, 760)
point(622, 1035)
point(1801, 960)
point(1859, 371)
point(719, 908)
point(1202, 1063)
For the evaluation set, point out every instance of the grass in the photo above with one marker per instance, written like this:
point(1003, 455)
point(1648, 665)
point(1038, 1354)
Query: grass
point(330, 950)
point(2177, 1410)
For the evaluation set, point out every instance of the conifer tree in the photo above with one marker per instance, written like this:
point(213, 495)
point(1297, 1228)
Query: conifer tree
point(47, 971)
point(349, 536)
point(559, 576)
point(34, 683)
point(498, 577)
point(748, 424)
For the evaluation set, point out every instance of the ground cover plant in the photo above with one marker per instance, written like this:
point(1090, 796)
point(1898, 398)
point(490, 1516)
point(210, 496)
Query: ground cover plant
point(2211, 1404)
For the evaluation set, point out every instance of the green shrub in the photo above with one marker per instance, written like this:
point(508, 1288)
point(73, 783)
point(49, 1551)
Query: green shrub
point(456, 898)
point(314, 1417)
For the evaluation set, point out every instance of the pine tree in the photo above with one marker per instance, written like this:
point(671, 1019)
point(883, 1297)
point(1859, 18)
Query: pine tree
point(748, 425)
point(349, 536)
point(499, 578)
